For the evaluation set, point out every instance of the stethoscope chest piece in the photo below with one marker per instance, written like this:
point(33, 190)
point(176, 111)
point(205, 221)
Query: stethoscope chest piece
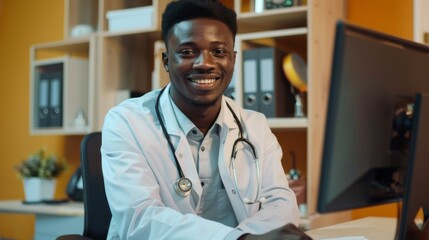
point(183, 186)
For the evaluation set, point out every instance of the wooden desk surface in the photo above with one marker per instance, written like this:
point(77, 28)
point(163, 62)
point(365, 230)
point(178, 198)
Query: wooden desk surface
point(60, 209)
point(373, 228)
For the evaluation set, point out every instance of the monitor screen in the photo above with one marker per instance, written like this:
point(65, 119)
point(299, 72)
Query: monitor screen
point(374, 80)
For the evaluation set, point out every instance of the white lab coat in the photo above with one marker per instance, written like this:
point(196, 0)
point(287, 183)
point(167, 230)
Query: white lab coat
point(140, 172)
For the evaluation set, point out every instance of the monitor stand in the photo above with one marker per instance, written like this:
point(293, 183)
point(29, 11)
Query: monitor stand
point(416, 195)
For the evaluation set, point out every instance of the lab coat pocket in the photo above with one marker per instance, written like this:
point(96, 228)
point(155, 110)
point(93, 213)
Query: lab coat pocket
point(252, 208)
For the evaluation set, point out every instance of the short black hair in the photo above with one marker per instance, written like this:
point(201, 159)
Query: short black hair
point(182, 10)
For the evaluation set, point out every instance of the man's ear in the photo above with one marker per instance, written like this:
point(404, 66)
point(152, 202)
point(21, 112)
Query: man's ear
point(234, 57)
point(165, 60)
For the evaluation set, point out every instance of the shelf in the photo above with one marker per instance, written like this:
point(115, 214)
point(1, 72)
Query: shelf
point(62, 131)
point(59, 92)
point(287, 40)
point(77, 47)
point(80, 14)
point(288, 123)
point(273, 19)
point(272, 34)
point(148, 30)
point(74, 44)
point(77, 57)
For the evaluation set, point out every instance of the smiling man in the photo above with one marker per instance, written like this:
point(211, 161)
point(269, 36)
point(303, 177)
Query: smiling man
point(186, 162)
point(200, 60)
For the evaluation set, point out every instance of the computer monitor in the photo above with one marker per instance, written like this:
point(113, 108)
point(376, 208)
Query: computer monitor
point(376, 146)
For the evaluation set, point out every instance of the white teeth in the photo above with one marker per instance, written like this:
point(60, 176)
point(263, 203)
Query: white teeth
point(204, 81)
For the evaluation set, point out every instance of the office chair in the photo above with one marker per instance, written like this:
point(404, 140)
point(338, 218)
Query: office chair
point(97, 213)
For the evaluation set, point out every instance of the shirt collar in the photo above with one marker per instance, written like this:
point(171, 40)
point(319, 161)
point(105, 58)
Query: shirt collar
point(187, 125)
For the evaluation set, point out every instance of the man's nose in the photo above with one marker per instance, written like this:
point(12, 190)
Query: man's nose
point(204, 60)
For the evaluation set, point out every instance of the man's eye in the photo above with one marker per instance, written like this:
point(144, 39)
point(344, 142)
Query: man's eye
point(219, 51)
point(186, 52)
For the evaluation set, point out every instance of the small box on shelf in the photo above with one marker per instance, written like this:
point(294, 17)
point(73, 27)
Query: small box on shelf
point(130, 18)
point(259, 6)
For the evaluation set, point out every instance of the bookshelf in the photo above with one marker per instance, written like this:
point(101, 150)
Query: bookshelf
point(131, 60)
point(74, 60)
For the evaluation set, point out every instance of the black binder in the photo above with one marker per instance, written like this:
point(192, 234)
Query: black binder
point(56, 99)
point(43, 100)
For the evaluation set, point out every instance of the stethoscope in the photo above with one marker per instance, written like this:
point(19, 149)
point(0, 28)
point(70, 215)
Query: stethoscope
point(183, 185)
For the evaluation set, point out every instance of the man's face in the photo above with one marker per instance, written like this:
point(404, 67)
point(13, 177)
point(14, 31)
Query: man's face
point(200, 61)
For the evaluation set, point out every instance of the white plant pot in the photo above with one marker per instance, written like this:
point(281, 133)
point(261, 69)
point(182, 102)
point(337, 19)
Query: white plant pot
point(38, 189)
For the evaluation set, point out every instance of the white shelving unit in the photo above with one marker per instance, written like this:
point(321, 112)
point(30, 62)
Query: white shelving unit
point(274, 38)
point(125, 57)
point(76, 58)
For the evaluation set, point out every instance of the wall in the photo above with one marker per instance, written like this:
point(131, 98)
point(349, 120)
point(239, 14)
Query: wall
point(390, 16)
point(22, 24)
point(393, 17)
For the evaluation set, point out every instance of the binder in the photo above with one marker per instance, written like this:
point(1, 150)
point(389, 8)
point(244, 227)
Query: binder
point(250, 79)
point(275, 98)
point(43, 100)
point(56, 99)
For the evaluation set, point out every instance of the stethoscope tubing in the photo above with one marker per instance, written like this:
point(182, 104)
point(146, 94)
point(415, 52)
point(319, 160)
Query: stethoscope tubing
point(182, 177)
point(234, 174)
point(164, 130)
point(183, 185)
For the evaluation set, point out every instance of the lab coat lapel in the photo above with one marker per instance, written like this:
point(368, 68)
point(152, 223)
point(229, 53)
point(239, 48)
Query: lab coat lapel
point(182, 149)
point(230, 133)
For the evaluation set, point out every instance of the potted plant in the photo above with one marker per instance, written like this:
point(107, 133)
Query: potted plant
point(39, 172)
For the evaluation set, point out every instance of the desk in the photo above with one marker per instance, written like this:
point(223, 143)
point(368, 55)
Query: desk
point(52, 220)
point(373, 228)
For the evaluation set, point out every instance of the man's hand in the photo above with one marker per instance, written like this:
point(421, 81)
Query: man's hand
point(287, 232)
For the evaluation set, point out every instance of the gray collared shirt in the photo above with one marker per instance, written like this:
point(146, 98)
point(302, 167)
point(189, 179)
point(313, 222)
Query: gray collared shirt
point(214, 203)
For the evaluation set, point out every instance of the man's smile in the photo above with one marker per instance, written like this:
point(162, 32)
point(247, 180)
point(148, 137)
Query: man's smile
point(203, 81)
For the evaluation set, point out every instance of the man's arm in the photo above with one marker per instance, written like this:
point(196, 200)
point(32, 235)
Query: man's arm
point(280, 206)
